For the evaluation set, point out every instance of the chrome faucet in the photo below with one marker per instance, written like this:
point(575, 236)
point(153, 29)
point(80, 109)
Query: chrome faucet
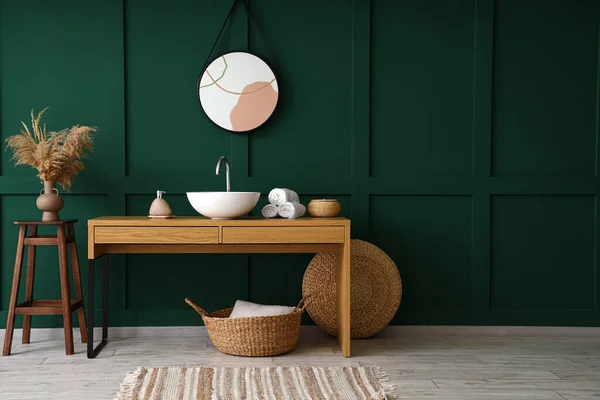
point(223, 158)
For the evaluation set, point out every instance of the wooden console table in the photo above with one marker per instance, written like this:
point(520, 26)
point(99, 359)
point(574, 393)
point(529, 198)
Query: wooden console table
point(117, 235)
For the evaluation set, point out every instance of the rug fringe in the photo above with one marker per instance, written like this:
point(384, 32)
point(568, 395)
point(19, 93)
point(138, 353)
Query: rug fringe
point(128, 385)
point(388, 390)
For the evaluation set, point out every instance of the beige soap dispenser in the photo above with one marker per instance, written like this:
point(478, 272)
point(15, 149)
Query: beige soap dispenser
point(159, 207)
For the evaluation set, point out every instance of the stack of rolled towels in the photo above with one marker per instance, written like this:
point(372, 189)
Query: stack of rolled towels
point(284, 203)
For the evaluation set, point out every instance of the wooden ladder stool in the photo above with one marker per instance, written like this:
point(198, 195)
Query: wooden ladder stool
point(65, 236)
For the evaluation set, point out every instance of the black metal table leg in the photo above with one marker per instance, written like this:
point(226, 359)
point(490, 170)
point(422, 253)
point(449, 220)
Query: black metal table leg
point(91, 351)
point(105, 298)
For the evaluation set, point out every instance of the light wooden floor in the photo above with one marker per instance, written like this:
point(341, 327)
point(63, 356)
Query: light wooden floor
point(423, 362)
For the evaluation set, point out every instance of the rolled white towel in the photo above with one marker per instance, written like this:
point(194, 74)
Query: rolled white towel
point(291, 210)
point(278, 196)
point(269, 211)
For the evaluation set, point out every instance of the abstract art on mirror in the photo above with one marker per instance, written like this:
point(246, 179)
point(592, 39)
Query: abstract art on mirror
point(238, 91)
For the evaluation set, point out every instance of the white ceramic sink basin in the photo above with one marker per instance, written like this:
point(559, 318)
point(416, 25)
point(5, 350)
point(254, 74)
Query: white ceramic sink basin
point(223, 205)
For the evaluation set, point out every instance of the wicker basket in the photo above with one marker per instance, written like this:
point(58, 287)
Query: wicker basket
point(324, 208)
point(252, 336)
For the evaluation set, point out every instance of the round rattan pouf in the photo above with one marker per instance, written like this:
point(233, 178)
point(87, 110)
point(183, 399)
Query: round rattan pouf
point(376, 290)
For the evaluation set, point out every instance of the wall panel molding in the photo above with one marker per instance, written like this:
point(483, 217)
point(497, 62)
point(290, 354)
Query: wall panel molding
point(597, 198)
point(482, 138)
point(361, 110)
point(240, 41)
point(125, 154)
point(333, 140)
point(545, 86)
point(482, 87)
point(361, 81)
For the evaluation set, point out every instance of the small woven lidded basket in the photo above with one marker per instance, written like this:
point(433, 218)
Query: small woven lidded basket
point(252, 336)
point(324, 208)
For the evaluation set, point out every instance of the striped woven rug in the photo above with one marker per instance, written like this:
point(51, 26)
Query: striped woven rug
point(269, 383)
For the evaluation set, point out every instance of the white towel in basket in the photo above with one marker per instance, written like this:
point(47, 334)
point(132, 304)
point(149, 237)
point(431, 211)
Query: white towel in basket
point(243, 309)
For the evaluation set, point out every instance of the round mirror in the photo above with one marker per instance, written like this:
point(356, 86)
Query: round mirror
point(238, 91)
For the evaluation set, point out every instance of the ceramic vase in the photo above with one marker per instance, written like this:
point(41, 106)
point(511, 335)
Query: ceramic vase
point(50, 202)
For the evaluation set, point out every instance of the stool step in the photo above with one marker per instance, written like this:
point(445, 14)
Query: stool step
point(45, 307)
point(46, 240)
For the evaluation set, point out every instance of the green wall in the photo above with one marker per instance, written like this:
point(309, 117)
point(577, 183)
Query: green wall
point(460, 136)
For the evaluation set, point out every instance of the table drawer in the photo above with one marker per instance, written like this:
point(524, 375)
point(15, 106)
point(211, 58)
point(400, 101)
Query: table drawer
point(157, 235)
point(270, 234)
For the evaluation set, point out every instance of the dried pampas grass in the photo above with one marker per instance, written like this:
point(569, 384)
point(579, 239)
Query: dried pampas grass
point(56, 155)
